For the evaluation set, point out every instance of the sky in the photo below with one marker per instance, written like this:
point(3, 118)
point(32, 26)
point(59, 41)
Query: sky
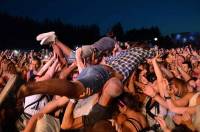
point(171, 16)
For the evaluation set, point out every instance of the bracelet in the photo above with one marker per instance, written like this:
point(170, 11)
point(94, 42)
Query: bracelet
point(166, 98)
point(72, 100)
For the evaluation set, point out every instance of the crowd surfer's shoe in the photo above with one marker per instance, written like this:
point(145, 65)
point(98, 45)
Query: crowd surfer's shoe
point(46, 38)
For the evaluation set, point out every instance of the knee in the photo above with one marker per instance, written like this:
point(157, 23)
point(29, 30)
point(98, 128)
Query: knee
point(113, 87)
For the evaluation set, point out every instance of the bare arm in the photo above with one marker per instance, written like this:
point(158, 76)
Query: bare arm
point(32, 122)
point(179, 110)
point(79, 60)
point(159, 76)
point(185, 76)
point(167, 72)
point(46, 66)
point(55, 105)
point(67, 70)
point(148, 90)
point(68, 121)
point(131, 88)
point(49, 74)
point(50, 107)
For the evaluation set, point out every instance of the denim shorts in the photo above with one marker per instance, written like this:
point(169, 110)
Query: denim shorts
point(94, 77)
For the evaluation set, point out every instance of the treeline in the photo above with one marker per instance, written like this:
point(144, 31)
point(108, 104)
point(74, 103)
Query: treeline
point(20, 32)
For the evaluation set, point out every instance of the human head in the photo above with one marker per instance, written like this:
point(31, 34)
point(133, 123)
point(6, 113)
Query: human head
point(143, 45)
point(191, 85)
point(110, 34)
point(129, 101)
point(102, 126)
point(75, 75)
point(35, 63)
point(178, 86)
point(180, 59)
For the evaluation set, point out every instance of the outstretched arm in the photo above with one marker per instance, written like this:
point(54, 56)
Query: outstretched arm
point(46, 66)
point(185, 76)
point(68, 121)
point(49, 74)
point(79, 60)
point(67, 70)
point(50, 107)
point(167, 72)
point(159, 75)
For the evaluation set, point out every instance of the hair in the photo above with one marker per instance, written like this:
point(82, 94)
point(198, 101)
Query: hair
point(181, 128)
point(143, 45)
point(181, 85)
point(110, 34)
point(38, 60)
point(102, 126)
point(11, 68)
point(189, 63)
point(131, 101)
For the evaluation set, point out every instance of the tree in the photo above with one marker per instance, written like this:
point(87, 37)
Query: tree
point(118, 31)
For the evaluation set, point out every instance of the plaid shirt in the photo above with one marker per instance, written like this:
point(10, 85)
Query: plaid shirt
point(128, 60)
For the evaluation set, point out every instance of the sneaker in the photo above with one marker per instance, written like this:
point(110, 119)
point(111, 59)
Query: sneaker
point(46, 38)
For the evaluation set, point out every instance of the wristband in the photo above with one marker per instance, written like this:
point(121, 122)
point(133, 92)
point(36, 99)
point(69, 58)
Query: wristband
point(166, 98)
point(72, 100)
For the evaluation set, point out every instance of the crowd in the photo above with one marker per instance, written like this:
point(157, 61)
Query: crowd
point(108, 86)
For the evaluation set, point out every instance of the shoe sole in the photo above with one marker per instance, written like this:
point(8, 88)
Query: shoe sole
point(6, 90)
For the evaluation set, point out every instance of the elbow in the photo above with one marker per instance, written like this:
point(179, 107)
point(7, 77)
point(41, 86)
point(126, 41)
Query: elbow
point(66, 126)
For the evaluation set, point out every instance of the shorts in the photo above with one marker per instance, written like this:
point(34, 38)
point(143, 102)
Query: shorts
point(94, 77)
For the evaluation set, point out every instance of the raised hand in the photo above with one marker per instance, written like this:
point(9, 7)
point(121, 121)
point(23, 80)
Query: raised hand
point(148, 90)
point(87, 93)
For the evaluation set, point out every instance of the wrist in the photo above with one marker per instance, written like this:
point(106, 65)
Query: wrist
point(167, 97)
point(154, 95)
point(72, 100)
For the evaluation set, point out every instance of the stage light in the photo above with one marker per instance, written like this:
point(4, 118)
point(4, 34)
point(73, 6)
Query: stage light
point(16, 52)
point(191, 38)
point(184, 40)
point(155, 39)
point(178, 36)
point(46, 56)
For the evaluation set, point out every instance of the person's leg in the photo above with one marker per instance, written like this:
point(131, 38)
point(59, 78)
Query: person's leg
point(112, 88)
point(59, 52)
point(65, 49)
point(52, 87)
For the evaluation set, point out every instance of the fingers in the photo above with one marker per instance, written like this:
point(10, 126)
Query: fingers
point(87, 92)
point(186, 116)
point(161, 121)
